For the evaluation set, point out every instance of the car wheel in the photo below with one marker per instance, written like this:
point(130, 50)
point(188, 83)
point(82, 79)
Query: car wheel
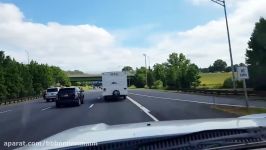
point(78, 102)
point(124, 97)
point(57, 105)
point(105, 98)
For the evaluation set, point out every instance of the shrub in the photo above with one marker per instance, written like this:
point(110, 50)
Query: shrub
point(228, 83)
point(158, 84)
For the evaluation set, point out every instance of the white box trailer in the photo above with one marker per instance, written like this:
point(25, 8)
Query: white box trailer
point(114, 84)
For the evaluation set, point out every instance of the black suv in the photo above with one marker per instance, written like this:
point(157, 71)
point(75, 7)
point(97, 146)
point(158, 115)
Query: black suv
point(70, 95)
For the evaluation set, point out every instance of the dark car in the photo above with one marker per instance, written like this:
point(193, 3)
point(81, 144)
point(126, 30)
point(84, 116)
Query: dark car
point(70, 95)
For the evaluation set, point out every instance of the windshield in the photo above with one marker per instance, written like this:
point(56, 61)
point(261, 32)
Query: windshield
point(103, 67)
point(52, 90)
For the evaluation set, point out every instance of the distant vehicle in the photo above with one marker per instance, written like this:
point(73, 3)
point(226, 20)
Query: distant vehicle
point(70, 95)
point(51, 94)
point(114, 84)
point(247, 132)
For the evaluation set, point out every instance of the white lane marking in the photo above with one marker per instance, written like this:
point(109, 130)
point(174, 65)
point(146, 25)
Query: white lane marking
point(191, 101)
point(145, 110)
point(1, 112)
point(91, 106)
point(46, 108)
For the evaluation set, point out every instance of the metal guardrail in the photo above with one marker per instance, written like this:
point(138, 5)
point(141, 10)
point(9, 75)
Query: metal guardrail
point(17, 100)
point(219, 91)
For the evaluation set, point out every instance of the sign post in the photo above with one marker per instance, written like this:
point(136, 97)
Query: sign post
point(242, 73)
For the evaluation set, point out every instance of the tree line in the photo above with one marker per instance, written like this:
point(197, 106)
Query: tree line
point(220, 65)
point(176, 73)
point(19, 80)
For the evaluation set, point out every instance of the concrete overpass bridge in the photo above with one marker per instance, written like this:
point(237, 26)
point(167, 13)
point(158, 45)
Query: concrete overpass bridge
point(93, 79)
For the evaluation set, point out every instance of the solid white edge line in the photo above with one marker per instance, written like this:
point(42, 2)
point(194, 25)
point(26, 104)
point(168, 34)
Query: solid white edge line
point(1, 112)
point(46, 108)
point(191, 101)
point(145, 110)
point(91, 105)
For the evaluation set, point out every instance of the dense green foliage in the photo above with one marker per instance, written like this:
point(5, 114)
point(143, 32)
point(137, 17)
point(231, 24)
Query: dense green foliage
point(158, 84)
point(127, 69)
point(176, 73)
point(218, 66)
point(256, 55)
point(139, 79)
point(228, 83)
point(75, 72)
point(20, 80)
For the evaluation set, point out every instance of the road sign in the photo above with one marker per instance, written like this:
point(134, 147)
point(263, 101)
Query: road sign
point(242, 73)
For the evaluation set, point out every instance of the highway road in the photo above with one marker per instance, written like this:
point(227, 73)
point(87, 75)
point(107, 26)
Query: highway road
point(35, 120)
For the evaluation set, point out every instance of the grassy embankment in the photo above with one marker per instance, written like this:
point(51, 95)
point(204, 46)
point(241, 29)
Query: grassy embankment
point(213, 80)
point(240, 111)
point(209, 80)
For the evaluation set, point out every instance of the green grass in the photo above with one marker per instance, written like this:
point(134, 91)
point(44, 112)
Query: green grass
point(213, 80)
point(132, 87)
point(86, 88)
point(241, 111)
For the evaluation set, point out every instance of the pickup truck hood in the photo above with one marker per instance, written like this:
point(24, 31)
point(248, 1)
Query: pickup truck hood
point(96, 133)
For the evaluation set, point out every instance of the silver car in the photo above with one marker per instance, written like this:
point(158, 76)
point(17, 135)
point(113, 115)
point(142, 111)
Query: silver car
point(51, 94)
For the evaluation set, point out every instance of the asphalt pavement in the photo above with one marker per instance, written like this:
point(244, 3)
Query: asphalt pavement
point(35, 120)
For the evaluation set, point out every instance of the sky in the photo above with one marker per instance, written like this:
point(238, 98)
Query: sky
point(100, 35)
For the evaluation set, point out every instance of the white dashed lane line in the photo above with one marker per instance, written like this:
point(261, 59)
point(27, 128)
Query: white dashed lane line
point(5, 111)
point(145, 110)
point(46, 108)
point(91, 106)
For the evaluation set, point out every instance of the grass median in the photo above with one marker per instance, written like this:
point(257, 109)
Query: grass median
point(241, 111)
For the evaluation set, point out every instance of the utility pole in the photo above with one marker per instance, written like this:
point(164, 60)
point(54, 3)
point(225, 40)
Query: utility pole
point(222, 3)
point(146, 68)
point(28, 56)
point(149, 62)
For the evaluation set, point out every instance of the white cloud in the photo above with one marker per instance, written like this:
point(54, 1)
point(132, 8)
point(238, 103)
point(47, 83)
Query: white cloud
point(84, 47)
point(205, 43)
point(94, 49)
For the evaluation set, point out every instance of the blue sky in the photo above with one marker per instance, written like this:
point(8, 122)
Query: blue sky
point(117, 14)
point(148, 16)
point(96, 35)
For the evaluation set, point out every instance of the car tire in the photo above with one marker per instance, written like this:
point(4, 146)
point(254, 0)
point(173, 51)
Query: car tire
point(124, 97)
point(82, 101)
point(57, 105)
point(47, 100)
point(78, 102)
point(105, 98)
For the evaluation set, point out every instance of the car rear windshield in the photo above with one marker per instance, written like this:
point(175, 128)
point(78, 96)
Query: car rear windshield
point(67, 90)
point(52, 90)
